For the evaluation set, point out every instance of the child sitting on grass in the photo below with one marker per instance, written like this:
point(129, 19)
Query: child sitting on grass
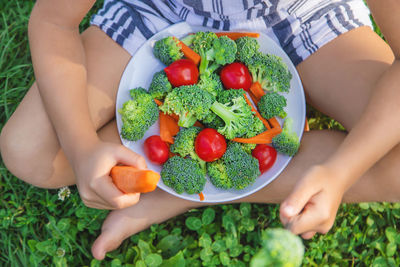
point(348, 73)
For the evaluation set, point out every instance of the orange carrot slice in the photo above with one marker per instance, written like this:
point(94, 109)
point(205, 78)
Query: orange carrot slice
point(199, 124)
point(255, 100)
point(201, 196)
point(236, 35)
point(257, 90)
point(306, 126)
point(188, 52)
point(168, 128)
point(253, 108)
point(132, 180)
point(274, 123)
point(158, 102)
point(262, 138)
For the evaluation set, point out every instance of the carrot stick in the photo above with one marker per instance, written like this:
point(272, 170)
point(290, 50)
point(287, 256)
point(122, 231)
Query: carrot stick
point(262, 138)
point(158, 102)
point(257, 90)
point(274, 123)
point(253, 108)
point(255, 100)
point(131, 180)
point(236, 35)
point(188, 52)
point(201, 195)
point(168, 128)
point(306, 126)
point(199, 124)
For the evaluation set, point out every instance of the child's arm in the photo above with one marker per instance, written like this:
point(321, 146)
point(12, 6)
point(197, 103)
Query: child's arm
point(59, 63)
point(313, 204)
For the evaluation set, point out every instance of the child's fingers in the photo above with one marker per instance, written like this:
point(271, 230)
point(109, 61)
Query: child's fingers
point(106, 189)
point(296, 201)
point(127, 157)
point(314, 218)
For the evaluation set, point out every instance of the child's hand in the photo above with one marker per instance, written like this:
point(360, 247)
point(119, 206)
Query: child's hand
point(94, 183)
point(313, 204)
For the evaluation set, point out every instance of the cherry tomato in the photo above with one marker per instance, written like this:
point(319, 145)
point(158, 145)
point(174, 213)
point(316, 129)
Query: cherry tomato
point(156, 150)
point(210, 145)
point(236, 76)
point(182, 72)
point(266, 156)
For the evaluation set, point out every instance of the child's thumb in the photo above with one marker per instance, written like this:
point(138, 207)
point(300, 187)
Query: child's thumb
point(296, 201)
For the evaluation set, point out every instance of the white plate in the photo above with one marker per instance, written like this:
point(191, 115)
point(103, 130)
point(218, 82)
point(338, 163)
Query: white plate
point(139, 72)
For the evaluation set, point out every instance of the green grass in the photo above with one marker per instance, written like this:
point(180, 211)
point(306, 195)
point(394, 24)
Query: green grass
point(36, 228)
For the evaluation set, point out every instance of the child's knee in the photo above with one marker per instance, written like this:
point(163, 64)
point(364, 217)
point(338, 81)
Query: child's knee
point(22, 159)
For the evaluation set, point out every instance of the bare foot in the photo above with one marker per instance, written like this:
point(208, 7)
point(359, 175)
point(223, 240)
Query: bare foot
point(154, 207)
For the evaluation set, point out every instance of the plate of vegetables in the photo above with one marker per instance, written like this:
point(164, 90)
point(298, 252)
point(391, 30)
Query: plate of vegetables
point(218, 114)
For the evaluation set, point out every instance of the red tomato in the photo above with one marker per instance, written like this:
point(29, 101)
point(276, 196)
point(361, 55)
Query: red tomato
point(266, 156)
point(236, 76)
point(156, 150)
point(182, 72)
point(210, 145)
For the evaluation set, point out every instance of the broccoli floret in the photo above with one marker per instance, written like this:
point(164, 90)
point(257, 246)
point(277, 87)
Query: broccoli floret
point(236, 169)
point(213, 51)
point(248, 148)
point(190, 102)
point(271, 105)
point(226, 96)
point(246, 48)
point(270, 71)
point(167, 50)
point(184, 144)
point(138, 114)
point(255, 128)
point(183, 175)
point(237, 117)
point(213, 121)
point(160, 86)
point(222, 52)
point(280, 248)
point(287, 142)
point(202, 42)
point(218, 176)
point(211, 84)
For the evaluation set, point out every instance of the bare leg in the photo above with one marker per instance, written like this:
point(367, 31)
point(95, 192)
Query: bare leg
point(28, 143)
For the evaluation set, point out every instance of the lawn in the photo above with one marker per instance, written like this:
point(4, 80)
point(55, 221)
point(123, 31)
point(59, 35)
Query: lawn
point(38, 228)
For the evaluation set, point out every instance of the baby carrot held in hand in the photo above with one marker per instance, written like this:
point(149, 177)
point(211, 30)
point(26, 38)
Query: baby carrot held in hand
point(131, 180)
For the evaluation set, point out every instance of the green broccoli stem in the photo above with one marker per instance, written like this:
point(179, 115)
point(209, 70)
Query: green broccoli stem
point(222, 112)
point(201, 162)
point(186, 120)
point(203, 63)
point(258, 76)
point(188, 40)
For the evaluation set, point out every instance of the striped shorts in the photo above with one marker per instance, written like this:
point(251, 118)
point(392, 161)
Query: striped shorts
point(300, 27)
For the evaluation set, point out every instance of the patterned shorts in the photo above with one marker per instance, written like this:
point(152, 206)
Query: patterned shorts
point(301, 27)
